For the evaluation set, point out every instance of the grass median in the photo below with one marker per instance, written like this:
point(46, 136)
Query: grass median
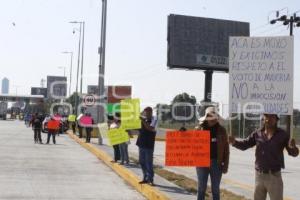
point(189, 184)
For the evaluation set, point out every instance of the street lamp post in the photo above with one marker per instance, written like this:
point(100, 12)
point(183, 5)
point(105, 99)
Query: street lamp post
point(64, 68)
point(291, 20)
point(78, 63)
point(82, 53)
point(71, 69)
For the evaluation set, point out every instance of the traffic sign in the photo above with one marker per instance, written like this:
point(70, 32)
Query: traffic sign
point(89, 100)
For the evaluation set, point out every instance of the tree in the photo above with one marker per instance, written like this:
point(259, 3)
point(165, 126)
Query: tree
point(183, 106)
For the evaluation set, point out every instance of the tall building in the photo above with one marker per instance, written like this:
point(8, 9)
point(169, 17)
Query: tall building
point(5, 86)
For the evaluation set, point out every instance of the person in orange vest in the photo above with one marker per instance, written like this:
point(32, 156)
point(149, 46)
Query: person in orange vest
point(53, 127)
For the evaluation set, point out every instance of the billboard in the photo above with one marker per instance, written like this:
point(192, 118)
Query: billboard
point(39, 91)
point(201, 43)
point(56, 87)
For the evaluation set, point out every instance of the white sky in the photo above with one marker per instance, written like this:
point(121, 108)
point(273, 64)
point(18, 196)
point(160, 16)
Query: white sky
point(136, 42)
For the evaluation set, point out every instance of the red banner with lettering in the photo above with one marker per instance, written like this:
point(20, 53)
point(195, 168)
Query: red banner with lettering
point(188, 148)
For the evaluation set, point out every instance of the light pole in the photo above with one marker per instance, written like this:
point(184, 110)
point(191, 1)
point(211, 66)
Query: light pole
point(101, 87)
point(78, 62)
point(64, 68)
point(71, 69)
point(291, 20)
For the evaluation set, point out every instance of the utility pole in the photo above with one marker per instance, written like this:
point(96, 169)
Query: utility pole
point(291, 21)
point(101, 87)
point(82, 50)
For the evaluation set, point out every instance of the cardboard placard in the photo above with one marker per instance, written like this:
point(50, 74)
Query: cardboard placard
point(103, 129)
point(72, 118)
point(188, 148)
point(261, 75)
point(53, 125)
point(117, 136)
point(130, 114)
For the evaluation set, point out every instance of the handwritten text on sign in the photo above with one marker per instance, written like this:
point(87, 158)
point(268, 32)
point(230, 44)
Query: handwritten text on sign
point(188, 148)
point(261, 75)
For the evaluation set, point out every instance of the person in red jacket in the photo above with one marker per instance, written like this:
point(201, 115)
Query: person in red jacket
point(53, 127)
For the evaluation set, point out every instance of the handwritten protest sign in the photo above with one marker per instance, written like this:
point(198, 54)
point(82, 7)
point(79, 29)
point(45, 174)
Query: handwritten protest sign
point(103, 129)
point(117, 136)
point(261, 75)
point(130, 114)
point(188, 148)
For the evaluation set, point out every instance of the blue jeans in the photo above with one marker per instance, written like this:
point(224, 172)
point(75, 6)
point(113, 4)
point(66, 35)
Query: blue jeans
point(146, 162)
point(124, 152)
point(215, 175)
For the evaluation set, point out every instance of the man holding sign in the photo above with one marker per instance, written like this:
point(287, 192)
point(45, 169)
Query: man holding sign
point(145, 142)
point(270, 142)
point(219, 154)
point(261, 81)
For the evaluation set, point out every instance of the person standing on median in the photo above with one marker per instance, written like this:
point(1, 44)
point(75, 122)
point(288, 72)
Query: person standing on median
point(53, 128)
point(89, 127)
point(219, 154)
point(116, 123)
point(145, 142)
point(270, 142)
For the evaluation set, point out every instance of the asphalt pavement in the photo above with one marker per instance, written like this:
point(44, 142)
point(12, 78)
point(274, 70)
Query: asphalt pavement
point(64, 171)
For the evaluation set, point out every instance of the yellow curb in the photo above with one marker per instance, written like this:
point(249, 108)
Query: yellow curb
point(148, 191)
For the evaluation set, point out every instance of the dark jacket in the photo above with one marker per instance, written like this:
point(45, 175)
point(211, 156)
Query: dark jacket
point(146, 138)
point(222, 146)
point(268, 153)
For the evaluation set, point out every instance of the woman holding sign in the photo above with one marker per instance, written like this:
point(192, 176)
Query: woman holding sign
point(219, 154)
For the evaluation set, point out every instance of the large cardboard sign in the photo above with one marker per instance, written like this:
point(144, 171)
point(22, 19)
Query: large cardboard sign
point(130, 114)
point(117, 136)
point(103, 129)
point(188, 148)
point(261, 75)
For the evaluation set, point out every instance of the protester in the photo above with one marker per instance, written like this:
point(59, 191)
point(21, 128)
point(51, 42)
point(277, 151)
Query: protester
point(53, 128)
point(270, 141)
point(87, 121)
point(116, 122)
point(145, 142)
point(72, 122)
point(124, 152)
point(219, 154)
point(36, 124)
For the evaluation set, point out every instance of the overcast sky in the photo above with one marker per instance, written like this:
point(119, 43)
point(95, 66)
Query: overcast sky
point(35, 32)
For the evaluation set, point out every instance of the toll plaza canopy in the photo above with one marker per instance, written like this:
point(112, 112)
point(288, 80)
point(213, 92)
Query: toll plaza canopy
point(26, 98)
